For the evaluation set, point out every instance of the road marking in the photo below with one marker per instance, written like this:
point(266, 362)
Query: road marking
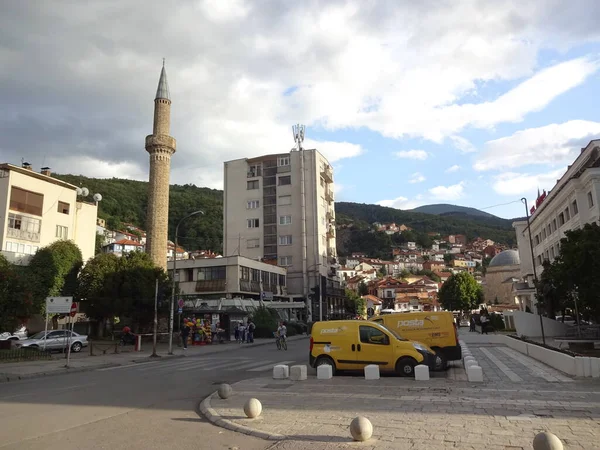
point(509, 373)
point(252, 364)
point(127, 365)
point(268, 366)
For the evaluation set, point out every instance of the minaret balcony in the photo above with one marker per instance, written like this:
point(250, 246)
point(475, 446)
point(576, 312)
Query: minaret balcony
point(160, 141)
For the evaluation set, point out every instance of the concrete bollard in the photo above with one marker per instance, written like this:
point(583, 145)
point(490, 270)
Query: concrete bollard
point(475, 374)
point(466, 360)
point(324, 372)
point(281, 372)
point(361, 429)
point(298, 373)
point(253, 408)
point(547, 441)
point(421, 372)
point(372, 372)
point(225, 391)
point(470, 363)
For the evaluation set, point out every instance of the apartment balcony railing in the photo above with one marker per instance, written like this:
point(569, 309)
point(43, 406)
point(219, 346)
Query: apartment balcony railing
point(18, 259)
point(329, 195)
point(23, 235)
point(210, 285)
point(327, 174)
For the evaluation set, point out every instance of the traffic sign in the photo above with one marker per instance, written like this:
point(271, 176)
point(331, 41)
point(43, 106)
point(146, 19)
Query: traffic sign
point(73, 309)
point(180, 310)
point(58, 305)
point(180, 303)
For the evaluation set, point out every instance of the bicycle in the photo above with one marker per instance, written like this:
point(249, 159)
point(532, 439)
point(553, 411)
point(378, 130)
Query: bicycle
point(280, 341)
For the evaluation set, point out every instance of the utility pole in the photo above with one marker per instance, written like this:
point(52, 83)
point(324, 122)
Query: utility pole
point(154, 355)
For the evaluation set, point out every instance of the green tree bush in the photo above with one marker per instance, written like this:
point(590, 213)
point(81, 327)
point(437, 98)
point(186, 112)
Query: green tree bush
point(16, 304)
point(460, 292)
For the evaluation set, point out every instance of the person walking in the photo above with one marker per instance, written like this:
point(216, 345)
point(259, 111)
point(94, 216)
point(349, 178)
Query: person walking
point(484, 323)
point(472, 324)
point(185, 333)
point(251, 328)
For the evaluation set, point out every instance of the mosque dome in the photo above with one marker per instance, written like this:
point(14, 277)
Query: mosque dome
point(506, 258)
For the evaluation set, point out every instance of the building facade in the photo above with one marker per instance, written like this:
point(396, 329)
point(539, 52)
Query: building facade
point(37, 210)
point(161, 146)
point(572, 202)
point(279, 208)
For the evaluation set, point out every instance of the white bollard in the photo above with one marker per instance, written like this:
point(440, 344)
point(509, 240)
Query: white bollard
point(470, 363)
point(372, 372)
point(547, 441)
point(225, 391)
point(361, 429)
point(281, 372)
point(324, 372)
point(467, 359)
point(421, 372)
point(298, 373)
point(253, 408)
point(475, 374)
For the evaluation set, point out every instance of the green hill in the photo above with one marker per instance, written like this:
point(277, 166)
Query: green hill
point(445, 208)
point(125, 201)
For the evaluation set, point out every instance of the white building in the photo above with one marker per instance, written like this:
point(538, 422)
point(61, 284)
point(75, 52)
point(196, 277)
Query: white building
point(571, 203)
point(37, 210)
point(279, 208)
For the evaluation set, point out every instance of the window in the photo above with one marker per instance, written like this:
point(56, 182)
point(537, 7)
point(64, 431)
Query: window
point(285, 220)
point(285, 200)
point(285, 261)
point(554, 225)
point(283, 181)
point(372, 335)
point(549, 230)
point(539, 260)
point(537, 239)
point(211, 273)
point(544, 233)
point(281, 280)
point(244, 273)
point(252, 243)
point(561, 219)
point(62, 232)
point(252, 204)
point(567, 215)
point(285, 240)
point(26, 201)
point(254, 171)
point(273, 279)
point(589, 196)
point(552, 252)
point(574, 207)
point(283, 161)
point(252, 223)
point(255, 275)
point(63, 208)
point(252, 185)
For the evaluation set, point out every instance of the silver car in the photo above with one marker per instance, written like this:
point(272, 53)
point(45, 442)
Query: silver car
point(54, 340)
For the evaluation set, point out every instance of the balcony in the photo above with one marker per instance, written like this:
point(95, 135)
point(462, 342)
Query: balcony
point(23, 235)
point(18, 259)
point(331, 252)
point(327, 173)
point(329, 195)
point(330, 233)
point(329, 216)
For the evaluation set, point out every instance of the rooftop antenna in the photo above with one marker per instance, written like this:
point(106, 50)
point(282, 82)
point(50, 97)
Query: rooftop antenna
point(298, 131)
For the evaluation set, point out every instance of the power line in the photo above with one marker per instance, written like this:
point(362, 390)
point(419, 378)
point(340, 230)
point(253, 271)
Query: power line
point(500, 204)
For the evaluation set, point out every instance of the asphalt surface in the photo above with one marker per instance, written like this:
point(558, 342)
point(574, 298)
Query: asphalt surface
point(149, 405)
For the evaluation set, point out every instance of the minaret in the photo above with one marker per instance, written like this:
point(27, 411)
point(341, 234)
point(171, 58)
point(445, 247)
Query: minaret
point(160, 146)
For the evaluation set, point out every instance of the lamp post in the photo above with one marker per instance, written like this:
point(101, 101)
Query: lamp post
point(535, 279)
point(172, 312)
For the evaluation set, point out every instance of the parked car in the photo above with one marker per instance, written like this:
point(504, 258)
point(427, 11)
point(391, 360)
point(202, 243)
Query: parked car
point(20, 333)
point(54, 340)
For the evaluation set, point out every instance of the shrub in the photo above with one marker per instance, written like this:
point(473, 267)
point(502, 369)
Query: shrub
point(497, 322)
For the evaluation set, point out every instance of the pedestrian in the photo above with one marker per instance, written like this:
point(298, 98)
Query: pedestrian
point(472, 324)
point(185, 333)
point(251, 328)
point(484, 323)
point(236, 331)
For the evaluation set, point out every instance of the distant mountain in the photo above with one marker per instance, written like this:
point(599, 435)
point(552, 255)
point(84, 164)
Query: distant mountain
point(446, 209)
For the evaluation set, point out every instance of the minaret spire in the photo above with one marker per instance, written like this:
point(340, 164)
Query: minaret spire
point(163, 85)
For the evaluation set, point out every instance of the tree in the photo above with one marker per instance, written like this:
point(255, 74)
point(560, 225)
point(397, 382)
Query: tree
point(460, 292)
point(16, 305)
point(430, 274)
point(574, 273)
point(383, 271)
point(91, 288)
point(486, 263)
point(356, 304)
point(99, 243)
point(448, 258)
point(53, 271)
point(363, 289)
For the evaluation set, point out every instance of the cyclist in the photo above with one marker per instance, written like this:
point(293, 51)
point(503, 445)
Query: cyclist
point(282, 331)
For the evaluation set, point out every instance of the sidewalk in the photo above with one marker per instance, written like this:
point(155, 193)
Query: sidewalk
point(406, 414)
point(82, 361)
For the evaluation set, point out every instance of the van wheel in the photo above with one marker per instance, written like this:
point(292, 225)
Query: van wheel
point(441, 362)
point(405, 367)
point(326, 361)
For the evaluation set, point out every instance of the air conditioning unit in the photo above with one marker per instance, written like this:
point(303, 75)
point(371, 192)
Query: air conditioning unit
point(251, 174)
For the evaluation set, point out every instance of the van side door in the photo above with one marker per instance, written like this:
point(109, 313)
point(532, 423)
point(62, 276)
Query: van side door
point(374, 347)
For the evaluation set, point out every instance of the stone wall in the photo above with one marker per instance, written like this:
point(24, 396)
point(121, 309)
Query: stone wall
point(495, 287)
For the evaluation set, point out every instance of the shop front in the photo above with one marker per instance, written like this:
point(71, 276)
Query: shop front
point(208, 326)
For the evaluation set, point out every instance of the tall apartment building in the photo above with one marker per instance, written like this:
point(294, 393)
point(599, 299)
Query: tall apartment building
point(37, 209)
point(279, 209)
point(572, 202)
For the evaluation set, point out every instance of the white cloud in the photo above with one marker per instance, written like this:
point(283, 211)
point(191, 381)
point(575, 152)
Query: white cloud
point(334, 151)
point(453, 168)
point(512, 183)
point(400, 203)
point(453, 192)
point(417, 177)
point(412, 154)
point(555, 144)
point(463, 144)
point(337, 188)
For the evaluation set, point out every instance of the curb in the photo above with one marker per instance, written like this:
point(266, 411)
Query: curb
point(5, 378)
point(205, 409)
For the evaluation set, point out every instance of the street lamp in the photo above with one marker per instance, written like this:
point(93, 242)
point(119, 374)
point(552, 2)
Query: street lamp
point(172, 312)
point(535, 279)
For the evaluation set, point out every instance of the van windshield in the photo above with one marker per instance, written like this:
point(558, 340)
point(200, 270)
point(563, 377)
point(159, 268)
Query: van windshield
point(394, 333)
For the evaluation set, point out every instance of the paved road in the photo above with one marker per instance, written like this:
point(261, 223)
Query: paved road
point(142, 405)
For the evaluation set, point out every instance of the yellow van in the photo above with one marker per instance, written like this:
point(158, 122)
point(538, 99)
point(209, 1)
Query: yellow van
point(435, 329)
point(354, 344)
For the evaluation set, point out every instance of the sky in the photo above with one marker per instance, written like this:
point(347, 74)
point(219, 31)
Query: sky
point(474, 103)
